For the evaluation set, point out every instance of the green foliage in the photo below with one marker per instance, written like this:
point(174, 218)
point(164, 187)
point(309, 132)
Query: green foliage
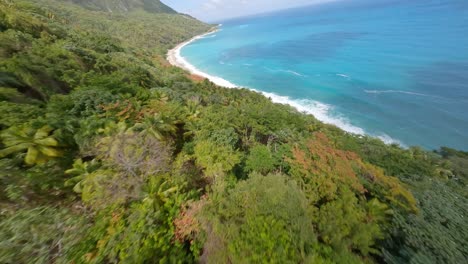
point(260, 160)
point(437, 234)
point(160, 164)
point(216, 160)
point(39, 144)
point(46, 68)
point(88, 102)
point(345, 224)
point(13, 95)
point(12, 41)
point(159, 126)
point(142, 233)
point(128, 159)
point(125, 5)
point(349, 217)
point(80, 171)
point(263, 219)
point(30, 186)
point(394, 159)
point(39, 235)
point(18, 114)
point(458, 164)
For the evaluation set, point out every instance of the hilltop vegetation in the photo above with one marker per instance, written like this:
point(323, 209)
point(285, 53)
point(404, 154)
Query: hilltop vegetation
point(109, 155)
point(152, 6)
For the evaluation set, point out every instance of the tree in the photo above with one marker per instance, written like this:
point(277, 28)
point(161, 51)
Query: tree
point(143, 232)
point(39, 144)
point(350, 218)
point(322, 170)
point(264, 219)
point(216, 160)
point(128, 159)
point(159, 126)
point(79, 172)
point(260, 160)
point(134, 153)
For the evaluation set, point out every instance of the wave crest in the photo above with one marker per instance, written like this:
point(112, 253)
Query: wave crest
point(286, 71)
point(398, 91)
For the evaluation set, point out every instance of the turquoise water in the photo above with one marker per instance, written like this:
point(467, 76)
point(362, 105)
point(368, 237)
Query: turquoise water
point(397, 70)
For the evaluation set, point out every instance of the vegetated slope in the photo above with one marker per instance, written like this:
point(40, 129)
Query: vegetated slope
point(110, 155)
point(71, 28)
point(153, 6)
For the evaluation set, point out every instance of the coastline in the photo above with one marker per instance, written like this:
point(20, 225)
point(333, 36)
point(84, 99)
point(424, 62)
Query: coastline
point(319, 110)
point(176, 59)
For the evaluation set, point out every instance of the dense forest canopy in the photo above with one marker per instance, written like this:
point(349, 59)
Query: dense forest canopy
point(110, 155)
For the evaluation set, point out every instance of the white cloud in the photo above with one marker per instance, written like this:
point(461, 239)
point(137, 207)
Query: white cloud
point(212, 4)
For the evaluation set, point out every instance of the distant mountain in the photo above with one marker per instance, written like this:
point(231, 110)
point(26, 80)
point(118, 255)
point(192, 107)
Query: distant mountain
point(153, 6)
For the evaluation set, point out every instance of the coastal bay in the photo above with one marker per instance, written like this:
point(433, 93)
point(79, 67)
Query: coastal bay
point(400, 83)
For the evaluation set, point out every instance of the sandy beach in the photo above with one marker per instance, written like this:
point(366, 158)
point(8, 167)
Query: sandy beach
point(320, 110)
point(175, 58)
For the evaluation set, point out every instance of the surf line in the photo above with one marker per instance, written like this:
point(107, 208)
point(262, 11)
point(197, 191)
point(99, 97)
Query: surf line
point(319, 110)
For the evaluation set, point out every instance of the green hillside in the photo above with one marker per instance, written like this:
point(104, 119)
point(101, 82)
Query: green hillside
point(110, 155)
point(153, 6)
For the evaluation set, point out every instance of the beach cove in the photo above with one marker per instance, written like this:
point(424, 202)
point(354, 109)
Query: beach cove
point(319, 111)
point(402, 84)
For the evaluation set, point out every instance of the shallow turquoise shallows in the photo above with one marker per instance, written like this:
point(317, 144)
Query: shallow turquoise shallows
point(397, 70)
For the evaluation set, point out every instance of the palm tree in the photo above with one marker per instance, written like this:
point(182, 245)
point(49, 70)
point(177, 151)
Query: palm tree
point(80, 170)
point(39, 144)
point(159, 126)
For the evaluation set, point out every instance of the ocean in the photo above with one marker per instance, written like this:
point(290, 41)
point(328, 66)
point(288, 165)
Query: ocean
point(392, 69)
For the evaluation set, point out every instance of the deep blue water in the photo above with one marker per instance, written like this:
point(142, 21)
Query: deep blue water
point(392, 69)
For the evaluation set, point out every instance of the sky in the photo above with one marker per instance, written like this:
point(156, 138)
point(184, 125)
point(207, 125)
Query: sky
point(218, 10)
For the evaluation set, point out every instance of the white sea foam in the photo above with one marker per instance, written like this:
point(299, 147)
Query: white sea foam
point(286, 71)
point(321, 111)
point(389, 140)
point(295, 73)
point(398, 91)
point(343, 75)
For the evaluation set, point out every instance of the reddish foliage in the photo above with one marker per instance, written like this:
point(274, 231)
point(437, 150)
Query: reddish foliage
point(196, 78)
point(322, 169)
point(327, 167)
point(122, 110)
point(186, 224)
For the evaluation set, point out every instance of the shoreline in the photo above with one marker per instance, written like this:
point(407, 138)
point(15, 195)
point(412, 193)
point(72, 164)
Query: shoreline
point(176, 59)
point(317, 109)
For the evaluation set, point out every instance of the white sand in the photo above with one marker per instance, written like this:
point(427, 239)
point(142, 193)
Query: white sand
point(174, 58)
